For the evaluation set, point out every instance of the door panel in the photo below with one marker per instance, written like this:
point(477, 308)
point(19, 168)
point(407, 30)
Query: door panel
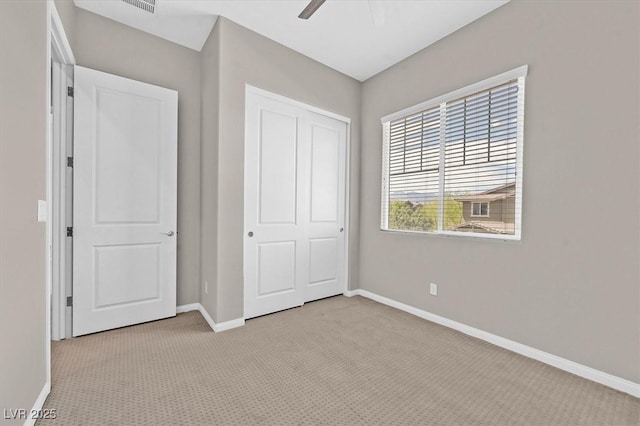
point(126, 274)
point(130, 124)
point(325, 228)
point(273, 278)
point(276, 268)
point(278, 164)
point(325, 164)
point(323, 262)
point(294, 205)
point(125, 202)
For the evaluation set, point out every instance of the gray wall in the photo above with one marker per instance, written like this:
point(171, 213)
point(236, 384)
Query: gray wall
point(108, 46)
point(210, 81)
point(67, 12)
point(571, 287)
point(248, 58)
point(23, 129)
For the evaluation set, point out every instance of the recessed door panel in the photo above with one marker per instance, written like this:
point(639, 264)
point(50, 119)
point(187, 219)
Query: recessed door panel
point(276, 267)
point(127, 158)
point(323, 260)
point(126, 274)
point(325, 162)
point(278, 159)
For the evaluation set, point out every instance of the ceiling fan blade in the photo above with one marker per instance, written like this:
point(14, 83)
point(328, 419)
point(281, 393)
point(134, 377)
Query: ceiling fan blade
point(310, 9)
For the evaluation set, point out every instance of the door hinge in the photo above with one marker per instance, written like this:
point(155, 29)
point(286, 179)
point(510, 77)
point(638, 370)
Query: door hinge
point(69, 161)
point(69, 301)
point(70, 91)
point(69, 231)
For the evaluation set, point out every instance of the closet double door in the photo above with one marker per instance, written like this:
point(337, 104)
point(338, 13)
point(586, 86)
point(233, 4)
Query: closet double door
point(295, 198)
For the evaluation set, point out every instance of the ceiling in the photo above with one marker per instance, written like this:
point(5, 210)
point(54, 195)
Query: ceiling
point(359, 38)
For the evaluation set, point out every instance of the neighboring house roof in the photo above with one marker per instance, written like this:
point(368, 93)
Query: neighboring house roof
point(484, 197)
point(507, 187)
point(494, 194)
point(488, 226)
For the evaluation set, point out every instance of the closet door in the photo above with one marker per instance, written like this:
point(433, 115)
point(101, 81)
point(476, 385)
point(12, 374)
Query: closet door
point(326, 169)
point(274, 225)
point(294, 205)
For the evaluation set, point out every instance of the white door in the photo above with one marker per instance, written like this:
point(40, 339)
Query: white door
point(124, 210)
point(295, 168)
point(325, 207)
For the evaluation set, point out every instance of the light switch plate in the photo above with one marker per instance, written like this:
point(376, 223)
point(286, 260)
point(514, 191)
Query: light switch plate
point(433, 289)
point(42, 211)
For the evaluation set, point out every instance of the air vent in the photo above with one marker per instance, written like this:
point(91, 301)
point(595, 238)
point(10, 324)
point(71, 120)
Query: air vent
point(146, 5)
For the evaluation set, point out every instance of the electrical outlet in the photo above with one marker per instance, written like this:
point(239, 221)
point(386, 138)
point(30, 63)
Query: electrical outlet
point(433, 289)
point(206, 287)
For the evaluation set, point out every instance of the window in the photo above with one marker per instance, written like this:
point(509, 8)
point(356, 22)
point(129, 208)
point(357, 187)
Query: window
point(446, 160)
point(480, 209)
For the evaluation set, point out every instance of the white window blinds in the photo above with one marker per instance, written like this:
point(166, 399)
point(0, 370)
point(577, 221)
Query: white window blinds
point(447, 158)
point(414, 158)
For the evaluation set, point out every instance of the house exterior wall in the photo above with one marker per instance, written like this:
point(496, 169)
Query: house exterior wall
point(509, 210)
point(499, 211)
point(495, 212)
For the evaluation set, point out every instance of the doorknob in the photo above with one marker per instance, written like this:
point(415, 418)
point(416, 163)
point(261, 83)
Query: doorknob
point(169, 234)
point(250, 233)
point(341, 229)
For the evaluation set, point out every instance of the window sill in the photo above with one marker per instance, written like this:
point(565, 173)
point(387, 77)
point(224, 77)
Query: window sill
point(457, 235)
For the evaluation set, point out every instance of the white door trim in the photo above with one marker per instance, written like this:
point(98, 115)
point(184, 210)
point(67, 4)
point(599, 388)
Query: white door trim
point(61, 198)
point(59, 41)
point(347, 238)
point(275, 96)
point(56, 44)
point(57, 182)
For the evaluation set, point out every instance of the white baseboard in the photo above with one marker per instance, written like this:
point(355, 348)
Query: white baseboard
point(188, 308)
point(227, 325)
point(37, 406)
point(207, 317)
point(592, 374)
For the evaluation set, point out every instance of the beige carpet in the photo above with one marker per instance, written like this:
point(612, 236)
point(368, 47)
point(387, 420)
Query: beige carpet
point(338, 361)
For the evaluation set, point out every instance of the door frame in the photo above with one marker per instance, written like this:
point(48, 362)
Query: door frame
point(58, 180)
point(249, 89)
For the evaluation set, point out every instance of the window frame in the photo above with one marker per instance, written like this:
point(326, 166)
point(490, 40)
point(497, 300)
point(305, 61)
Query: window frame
point(480, 203)
point(518, 74)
